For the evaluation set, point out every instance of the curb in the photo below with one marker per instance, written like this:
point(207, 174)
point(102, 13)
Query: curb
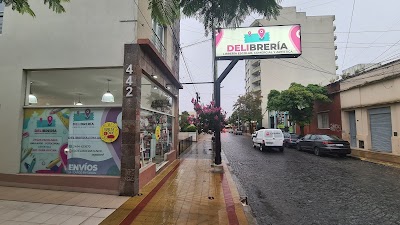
point(383, 163)
point(242, 193)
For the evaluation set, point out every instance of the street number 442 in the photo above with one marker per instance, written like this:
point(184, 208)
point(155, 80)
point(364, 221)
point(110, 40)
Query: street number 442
point(129, 81)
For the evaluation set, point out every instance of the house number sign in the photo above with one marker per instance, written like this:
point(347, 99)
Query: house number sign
point(129, 82)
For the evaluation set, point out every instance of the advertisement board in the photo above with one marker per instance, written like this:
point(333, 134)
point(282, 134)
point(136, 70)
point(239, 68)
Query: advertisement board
point(72, 141)
point(258, 42)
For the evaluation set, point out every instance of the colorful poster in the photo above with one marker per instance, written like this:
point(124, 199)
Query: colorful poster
point(260, 42)
point(44, 139)
point(88, 152)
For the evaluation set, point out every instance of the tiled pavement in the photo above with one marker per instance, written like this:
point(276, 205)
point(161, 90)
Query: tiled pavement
point(32, 206)
point(187, 192)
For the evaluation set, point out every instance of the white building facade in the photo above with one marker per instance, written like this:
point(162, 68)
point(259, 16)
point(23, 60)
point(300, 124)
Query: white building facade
point(68, 61)
point(316, 65)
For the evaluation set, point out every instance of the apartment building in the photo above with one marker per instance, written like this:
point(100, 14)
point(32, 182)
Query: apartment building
point(316, 65)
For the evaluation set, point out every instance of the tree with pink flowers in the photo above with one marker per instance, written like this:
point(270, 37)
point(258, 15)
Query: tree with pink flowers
point(208, 116)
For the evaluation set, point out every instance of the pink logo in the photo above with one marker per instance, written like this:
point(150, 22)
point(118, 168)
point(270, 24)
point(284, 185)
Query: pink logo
point(295, 37)
point(218, 36)
point(261, 33)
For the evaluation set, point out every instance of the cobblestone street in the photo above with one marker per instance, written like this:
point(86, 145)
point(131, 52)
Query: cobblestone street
point(300, 188)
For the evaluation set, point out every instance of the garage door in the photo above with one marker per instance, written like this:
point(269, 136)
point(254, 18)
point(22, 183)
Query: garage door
point(381, 129)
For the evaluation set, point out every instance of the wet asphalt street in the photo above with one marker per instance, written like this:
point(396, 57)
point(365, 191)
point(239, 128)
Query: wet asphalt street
point(300, 188)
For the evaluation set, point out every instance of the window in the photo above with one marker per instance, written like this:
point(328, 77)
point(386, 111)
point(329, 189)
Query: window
point(1, 16)
point(73, 87)
point(158, 37)
point(307, 137)
point(323, 121)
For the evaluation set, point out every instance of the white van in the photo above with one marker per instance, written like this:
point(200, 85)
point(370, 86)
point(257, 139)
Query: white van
point(268, 138)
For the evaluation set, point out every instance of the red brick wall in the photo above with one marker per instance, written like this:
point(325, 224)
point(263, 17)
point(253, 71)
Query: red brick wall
point(333, 109)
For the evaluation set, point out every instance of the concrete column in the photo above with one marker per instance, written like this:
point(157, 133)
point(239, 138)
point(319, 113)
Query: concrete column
point(130, 157)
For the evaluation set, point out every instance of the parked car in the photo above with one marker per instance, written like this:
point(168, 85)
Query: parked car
point(265, 139)
point(324, 144)
point(238, 132)
point(290, 140)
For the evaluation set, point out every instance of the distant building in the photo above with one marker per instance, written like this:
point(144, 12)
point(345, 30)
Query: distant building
point(370, 105)
point(327, 118)
point(316, 65)
point(359, 68)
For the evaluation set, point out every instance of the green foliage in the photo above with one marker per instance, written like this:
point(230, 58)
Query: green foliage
point(298, 100)
point(22, 6)
point(164, 12)
point(247, 108)
point(218, 13)
point(227, 13)
point(183, 120)
point(191, 128)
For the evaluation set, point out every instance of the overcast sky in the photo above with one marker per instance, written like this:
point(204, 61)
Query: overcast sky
point(374, 37)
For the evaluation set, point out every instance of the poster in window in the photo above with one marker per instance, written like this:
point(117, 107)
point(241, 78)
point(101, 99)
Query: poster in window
point(44, 139)
point(89, 153)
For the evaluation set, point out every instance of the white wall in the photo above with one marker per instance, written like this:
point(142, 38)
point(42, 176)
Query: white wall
point(89, 34)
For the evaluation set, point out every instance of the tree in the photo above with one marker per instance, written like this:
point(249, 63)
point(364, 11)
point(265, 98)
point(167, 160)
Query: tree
point(247, 108)
point(212, 13)
point(22, 6)
point(298, 101)
point(208, 116)
point(184, 120)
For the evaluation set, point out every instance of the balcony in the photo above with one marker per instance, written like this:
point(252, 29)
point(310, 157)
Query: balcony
point(336, 57)
point(256, 89)
point(256, 63)
point(1, 22)
point(334, 37)
point(256, 70)
point(335, 47)
point(256, 80)
point(159, 46)
point(334, 27)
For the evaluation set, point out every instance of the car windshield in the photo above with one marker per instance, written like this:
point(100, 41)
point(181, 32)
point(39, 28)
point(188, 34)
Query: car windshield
point(329, 138)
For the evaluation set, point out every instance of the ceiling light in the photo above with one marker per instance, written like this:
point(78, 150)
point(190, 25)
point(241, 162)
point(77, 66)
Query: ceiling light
point(108, 97)
point(32, 98)
point(155, 87)
point(168, 87)
point(154, 76)
point(79, 101)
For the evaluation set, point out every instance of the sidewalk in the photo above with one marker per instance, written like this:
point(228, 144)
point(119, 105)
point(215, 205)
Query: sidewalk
point(187, 192)
point(24, 206)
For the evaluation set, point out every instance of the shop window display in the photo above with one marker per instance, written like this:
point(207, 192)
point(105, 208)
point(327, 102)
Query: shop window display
point(71, 141)
point(155, 123)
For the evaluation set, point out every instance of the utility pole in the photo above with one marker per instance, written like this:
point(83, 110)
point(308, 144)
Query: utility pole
point(214, 60)
point(197, 97)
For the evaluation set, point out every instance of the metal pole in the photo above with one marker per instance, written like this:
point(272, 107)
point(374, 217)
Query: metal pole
point(217, 89)
point(214, 60)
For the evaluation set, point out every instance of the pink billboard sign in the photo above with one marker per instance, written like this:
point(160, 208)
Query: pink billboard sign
point(258, 42)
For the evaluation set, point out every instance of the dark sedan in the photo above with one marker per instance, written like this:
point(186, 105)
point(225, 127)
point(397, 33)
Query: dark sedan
point(290, 140)
point(324, 144)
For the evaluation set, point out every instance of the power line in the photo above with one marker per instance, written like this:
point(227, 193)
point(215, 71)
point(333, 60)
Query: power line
point(377, 39)
point(348, 35)
point(196, 43)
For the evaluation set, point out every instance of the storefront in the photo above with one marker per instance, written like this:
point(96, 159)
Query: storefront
point(73, 129)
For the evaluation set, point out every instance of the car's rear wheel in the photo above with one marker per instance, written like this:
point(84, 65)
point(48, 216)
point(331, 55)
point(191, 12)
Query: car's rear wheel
point(298, 147)
point(254, 145)
point(317, 152)
point(261, 147)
